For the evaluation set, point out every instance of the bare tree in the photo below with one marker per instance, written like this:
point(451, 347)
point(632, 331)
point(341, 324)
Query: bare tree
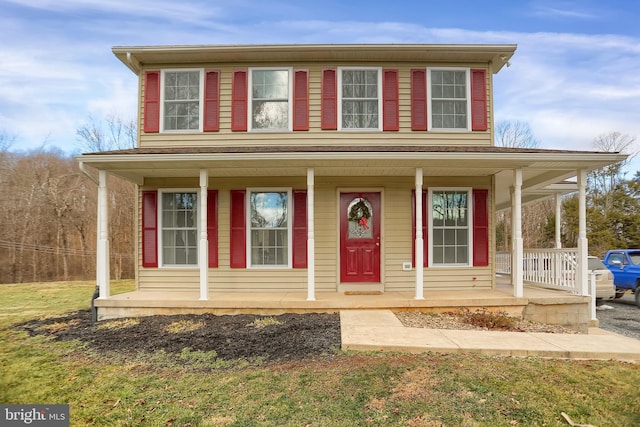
point(119, 134)
point(606, 179)
point(515, 134)
point(6, 141)
point(48, 209)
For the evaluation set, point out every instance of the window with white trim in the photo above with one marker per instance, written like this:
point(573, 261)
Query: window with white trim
point(360, 94)
point(179, 228)
point(450, 227)
point(181, 94)
point(270, 99)
point(449, 95)
point(269, 228)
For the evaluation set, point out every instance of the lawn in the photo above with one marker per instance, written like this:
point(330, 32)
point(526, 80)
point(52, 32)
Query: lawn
point(344, 389)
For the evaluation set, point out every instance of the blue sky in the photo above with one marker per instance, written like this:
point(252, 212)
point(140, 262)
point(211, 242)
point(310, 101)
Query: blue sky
point(575, 74)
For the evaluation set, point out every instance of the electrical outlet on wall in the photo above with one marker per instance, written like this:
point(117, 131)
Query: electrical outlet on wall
point(406, 266)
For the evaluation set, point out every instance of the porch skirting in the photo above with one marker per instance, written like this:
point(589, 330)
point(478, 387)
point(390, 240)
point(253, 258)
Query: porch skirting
point(542, 305)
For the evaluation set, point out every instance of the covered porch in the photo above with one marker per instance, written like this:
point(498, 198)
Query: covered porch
point(513, 176)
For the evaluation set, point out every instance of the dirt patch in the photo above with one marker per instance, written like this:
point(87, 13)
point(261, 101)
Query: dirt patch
point(285, 337)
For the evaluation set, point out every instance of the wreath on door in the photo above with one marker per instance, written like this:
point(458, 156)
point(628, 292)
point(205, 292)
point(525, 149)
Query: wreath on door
point(360, 214)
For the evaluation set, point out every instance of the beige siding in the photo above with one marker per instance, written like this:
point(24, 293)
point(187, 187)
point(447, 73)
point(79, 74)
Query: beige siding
point(315, 135)
point(396, 240)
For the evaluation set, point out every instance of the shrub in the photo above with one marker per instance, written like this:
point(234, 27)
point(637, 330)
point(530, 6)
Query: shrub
point(484, 318)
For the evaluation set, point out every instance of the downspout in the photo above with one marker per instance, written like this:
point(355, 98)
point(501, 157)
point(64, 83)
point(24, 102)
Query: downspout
point(96, 292)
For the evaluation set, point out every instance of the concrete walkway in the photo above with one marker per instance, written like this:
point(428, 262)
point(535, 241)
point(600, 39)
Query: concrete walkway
point(380, 330)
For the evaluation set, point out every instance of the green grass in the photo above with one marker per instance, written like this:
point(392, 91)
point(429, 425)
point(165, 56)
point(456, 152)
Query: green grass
point(352, 389)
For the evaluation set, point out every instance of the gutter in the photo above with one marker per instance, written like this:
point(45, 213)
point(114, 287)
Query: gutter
point(204, 157)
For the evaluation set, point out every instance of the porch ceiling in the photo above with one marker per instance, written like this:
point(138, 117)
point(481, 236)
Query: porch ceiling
point(544, 171)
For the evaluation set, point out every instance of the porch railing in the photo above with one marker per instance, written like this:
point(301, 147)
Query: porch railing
point(551, 268)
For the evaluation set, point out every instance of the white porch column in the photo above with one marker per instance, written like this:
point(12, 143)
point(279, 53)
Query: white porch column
point(203, 247)
point(582, 276)
point(558, 221)
point(311, 245)
point(102, 250)
point(419, 238)
point(518, 244)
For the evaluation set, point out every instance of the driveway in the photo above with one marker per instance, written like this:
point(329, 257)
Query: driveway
point(621, 316)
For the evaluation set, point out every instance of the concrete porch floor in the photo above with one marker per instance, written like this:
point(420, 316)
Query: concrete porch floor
point(551, 306)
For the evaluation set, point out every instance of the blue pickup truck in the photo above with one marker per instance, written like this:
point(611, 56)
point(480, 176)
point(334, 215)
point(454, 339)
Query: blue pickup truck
point(625, 266)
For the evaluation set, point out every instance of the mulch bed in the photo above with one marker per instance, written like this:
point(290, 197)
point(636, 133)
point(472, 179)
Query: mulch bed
point(285, 337)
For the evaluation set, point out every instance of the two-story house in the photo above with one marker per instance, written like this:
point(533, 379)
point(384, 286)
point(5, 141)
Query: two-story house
point(280, 176)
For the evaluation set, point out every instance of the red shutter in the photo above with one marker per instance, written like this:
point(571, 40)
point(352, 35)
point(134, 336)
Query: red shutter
point(152, 101)
point(329, 100)
point(212, 101)
point(212, 227)
point(480, 228)
point(149, 228)
point(425, 226)
point(299, 229)
point(418, 100)
point(238, 230)
point(239, 101)
point(301, 100)
point(390, 115)
point(478, 100)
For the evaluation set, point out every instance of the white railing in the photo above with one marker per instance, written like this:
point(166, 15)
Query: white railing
point(503, 262)
point(551, 268)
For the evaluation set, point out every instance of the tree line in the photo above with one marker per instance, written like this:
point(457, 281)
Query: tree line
point(48, 206)
point(48, 209)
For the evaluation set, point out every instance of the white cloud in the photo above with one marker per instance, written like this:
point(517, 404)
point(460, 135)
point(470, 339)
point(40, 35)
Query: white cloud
point(572, 88)
point(569, 87)
point(184, 11)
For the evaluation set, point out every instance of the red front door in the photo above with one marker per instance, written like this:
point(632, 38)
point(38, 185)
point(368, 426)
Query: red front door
point(360, 237)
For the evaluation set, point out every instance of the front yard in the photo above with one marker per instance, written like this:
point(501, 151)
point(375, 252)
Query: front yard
point(168, 376)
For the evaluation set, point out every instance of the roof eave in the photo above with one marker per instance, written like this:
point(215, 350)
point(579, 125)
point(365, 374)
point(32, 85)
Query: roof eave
point(520, 158)
point(135, 57)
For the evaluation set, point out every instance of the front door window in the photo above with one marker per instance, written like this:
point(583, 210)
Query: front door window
point(360, 217)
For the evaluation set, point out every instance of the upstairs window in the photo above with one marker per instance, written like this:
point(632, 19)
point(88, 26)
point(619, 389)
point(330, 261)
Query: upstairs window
point(360, 95)
point(182, 92)
point(270, 99)
point(449, 98)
